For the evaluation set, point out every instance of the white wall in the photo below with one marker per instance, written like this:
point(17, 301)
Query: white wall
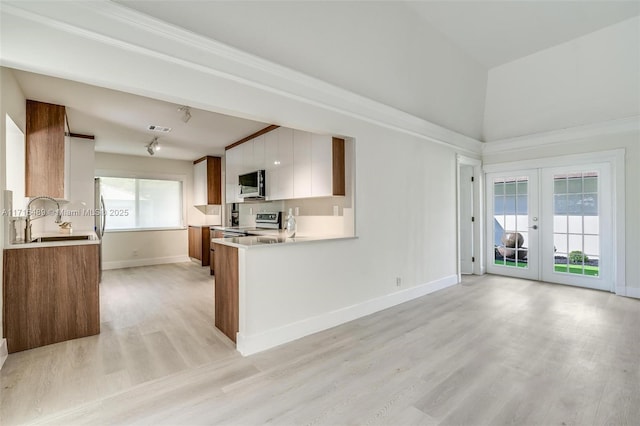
point(379, 50)
point(411, 235)
point(406, 228)
point(591, 79)
point(13, 103)
point(136, 248)
point(15, 162)
point(590, 88)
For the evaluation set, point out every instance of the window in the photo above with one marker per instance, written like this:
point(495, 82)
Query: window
point(133, 203)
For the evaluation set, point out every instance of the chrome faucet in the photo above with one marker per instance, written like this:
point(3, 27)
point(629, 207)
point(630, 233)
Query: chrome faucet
point(27, 230)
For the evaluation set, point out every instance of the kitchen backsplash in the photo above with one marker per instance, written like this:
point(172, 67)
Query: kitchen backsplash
point(315, 216)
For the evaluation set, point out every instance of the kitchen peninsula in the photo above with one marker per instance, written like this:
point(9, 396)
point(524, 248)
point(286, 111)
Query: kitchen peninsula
point(234, 279)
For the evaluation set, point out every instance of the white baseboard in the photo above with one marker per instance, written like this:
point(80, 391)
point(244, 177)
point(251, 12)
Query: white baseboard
point(633, 292)
point(4, 353)
point(119, 264)
point(248, 345)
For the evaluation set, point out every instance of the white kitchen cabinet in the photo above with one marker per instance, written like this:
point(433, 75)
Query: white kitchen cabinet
point(207, 181)
point(321, 166)
point(278, 164)
point(200, 184)
point(301, 164)
point(298, 164)
point(82, 172)
point(247, 157)
point(271, 163)
point(258, 153)
point(284, 188)
point(233, 163)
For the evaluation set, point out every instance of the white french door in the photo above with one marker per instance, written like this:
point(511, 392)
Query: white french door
point(513, 224)
point(577, 240)
point(552, 224)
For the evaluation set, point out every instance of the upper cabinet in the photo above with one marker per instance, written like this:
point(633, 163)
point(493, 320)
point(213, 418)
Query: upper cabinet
point(207, 181)
point(279, 164)
point(298, 164)
point(47, 151)
point(233, 169)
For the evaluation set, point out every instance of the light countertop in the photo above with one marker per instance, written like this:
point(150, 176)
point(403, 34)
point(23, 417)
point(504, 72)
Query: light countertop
point(271, 240)
point(93, 239)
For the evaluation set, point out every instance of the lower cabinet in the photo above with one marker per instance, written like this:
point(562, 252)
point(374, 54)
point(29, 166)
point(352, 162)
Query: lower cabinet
point(212, 252)
point(50, 295)
point(199, 244)
point(226, 290)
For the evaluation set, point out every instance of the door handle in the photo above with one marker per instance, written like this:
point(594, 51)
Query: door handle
point(534, 227)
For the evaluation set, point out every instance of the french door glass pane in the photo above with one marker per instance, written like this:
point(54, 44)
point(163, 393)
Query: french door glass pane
point(576, 233)
point(511, 221)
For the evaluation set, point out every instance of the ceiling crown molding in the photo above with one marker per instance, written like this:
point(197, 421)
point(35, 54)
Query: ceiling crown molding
point(538, 140)
point(117, 26)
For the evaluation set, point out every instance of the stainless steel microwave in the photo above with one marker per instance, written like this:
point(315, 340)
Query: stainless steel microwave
point(252, 185)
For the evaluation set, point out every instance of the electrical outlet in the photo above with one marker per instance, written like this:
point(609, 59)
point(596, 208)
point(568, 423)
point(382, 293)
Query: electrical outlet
point(135, 252)
point(250, 210)
point(398, 281)
point(297, 211)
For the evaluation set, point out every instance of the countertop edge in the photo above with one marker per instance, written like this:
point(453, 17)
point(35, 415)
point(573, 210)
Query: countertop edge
point(93, 241)
point(302, 240)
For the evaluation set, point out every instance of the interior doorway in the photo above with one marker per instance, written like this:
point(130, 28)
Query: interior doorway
point(469, 201)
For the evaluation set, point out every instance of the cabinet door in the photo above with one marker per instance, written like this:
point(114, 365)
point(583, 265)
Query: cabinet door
point(258, 153)
point(233, 159)
point(271, 164)
point(200, 183)
point(321, 166)
point(44, 150)
point(205, 241)
point(195, 243)
point(301, 164)
point(213, 182)
point(247, 157)
point(226, 290)
point(285, 157)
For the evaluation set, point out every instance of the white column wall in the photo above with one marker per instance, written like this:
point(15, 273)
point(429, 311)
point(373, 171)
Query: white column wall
point(12, 102)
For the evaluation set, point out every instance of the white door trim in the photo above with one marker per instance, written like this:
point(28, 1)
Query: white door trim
point(478, 208)
point(616, 159)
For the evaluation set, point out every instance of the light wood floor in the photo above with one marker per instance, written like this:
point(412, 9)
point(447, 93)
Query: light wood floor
point(490, 351)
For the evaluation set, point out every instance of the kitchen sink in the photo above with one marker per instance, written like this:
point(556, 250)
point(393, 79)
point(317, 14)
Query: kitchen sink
point(61, 238)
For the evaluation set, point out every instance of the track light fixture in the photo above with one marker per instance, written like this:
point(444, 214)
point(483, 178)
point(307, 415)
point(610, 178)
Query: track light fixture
point(186, 113)
point(153, 146)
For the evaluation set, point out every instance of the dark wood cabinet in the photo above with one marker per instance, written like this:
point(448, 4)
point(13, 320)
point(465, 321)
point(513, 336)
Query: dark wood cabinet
point(338, 166)
point(50, 294)
point(214, 234)
point(199, 244)
point(226, 289)
point(45, 150)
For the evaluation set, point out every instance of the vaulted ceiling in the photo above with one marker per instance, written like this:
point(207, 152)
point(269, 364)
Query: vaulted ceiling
point(289, 32)
point(429, 59)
